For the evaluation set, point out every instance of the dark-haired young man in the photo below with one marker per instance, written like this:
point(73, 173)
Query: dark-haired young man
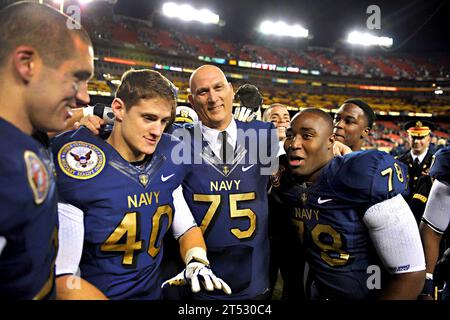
point(278, 114)
point(230, 210)
point(117, 200)
point(350, 216)
point(353, 122)
point(45, 67)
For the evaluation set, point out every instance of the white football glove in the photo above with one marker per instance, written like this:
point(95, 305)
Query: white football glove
point(198, 269)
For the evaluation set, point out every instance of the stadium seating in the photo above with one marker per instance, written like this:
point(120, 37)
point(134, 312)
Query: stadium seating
point(139, 44)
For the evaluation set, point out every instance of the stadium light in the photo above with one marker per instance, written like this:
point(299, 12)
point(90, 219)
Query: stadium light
point(367, 39)
point(80, 1)
point(62, 3)
point(186, 12)
point(281, 28)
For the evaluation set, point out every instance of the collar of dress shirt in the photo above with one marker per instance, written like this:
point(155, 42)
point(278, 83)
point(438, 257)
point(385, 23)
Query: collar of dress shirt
point(421, 156)
point(212, 135)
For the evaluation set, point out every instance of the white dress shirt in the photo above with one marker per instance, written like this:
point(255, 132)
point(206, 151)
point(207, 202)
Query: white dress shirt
point(212, 136)
point(421, 156)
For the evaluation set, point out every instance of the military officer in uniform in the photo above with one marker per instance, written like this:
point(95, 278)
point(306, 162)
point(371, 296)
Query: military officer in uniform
point(418, 159)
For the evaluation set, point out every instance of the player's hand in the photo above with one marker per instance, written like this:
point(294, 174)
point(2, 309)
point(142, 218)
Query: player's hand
point(93, 123)
point(196, 272)
point(250, 102)
point(340, 149)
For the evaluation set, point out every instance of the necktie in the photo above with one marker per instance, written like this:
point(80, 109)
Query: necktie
point(416, 162)
point(226, 149)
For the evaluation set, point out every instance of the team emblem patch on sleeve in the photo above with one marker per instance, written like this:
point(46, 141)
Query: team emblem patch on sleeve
point(38, 177)
point(81, 160)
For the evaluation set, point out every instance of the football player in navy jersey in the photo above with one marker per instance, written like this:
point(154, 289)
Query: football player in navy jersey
point(353, 122)
point(117, 201)
point(436, 220)
point(227, 188)
point(350, 216)
point(45, 67)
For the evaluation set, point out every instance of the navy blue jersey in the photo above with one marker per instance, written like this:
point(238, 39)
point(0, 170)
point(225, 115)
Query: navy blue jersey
point(229, 203)
point(328, 214)
point(28, 216)
point(127, 211)
point(440, 168)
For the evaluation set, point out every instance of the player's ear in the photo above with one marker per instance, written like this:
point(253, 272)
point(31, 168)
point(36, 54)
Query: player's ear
point(25, 60)
point(365, 133)
point(331, 140)
point(191, 99)
point(119, 108)
point(192, 102)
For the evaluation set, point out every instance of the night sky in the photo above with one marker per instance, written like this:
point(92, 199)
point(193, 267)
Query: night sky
point(328, 20)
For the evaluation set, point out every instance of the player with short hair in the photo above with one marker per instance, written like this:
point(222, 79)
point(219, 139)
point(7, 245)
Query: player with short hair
point(45, 68)
point(353, 122)
point(117, 200)
point(278, 114)
point(349, 214)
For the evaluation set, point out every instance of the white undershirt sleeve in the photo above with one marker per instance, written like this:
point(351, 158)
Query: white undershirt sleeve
point(395, 235)
point(183, 219)
point(71, 237)
point(437, 211)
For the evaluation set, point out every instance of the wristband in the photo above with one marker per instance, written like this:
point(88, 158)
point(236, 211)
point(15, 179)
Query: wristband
point(196, 254)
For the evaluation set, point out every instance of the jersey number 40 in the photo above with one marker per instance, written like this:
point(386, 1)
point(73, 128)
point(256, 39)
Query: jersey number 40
point(129, 226)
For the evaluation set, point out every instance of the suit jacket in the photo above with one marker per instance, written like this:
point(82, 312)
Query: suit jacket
point(416, 172)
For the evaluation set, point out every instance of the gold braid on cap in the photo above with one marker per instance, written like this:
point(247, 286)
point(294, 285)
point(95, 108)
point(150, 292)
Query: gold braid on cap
point(419, 130)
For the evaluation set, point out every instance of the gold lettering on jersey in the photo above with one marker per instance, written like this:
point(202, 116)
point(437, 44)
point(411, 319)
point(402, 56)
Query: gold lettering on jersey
point(143, 199)
point(306, 214)
point(225, 185)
